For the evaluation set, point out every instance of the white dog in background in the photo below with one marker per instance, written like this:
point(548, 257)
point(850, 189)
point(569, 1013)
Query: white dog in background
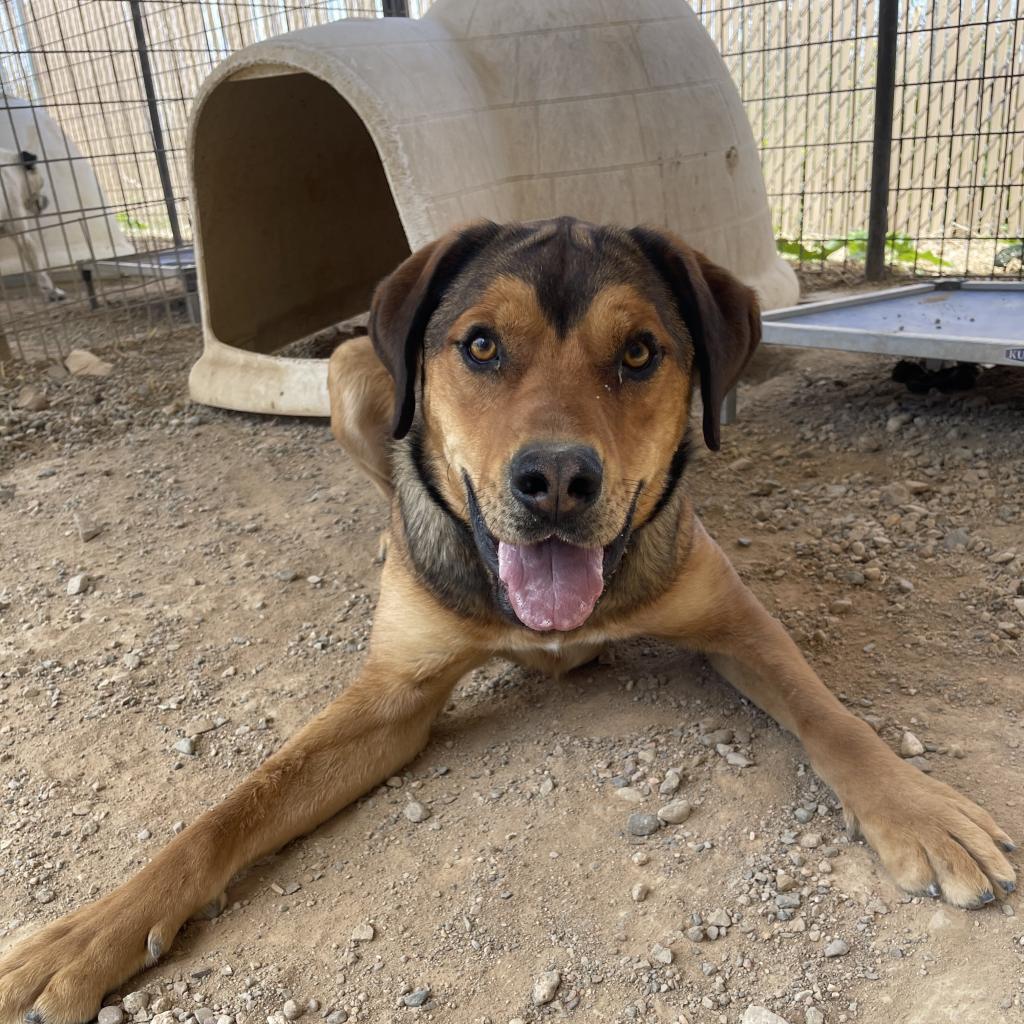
point(21, 199)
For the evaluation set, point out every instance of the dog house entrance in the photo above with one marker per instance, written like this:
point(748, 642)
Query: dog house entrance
point(296, 218)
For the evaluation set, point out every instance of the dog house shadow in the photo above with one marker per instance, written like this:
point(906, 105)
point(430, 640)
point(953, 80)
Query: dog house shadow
point(321, 158)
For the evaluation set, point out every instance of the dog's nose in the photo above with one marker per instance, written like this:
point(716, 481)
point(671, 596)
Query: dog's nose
point(556, 480)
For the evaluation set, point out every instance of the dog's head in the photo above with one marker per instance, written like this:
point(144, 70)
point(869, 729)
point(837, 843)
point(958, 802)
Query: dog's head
point(35, 198)
point(553, 364)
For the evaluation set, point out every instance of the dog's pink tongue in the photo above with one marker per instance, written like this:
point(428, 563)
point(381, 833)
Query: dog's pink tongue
point(552, 585)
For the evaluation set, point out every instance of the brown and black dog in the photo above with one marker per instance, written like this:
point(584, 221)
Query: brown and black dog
point(538, 379)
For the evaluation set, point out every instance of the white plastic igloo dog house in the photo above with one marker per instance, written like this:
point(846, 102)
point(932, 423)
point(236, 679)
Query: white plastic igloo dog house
point(321, 158)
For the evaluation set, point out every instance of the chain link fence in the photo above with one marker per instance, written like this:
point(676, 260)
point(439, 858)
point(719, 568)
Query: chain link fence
point(98, 92)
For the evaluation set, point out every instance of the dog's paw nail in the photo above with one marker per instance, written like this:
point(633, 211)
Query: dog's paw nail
point(1008, 886)
point(988, 896)
point(934, 891)
point(1008, 847)
point(155, 947)
point(34, 1017)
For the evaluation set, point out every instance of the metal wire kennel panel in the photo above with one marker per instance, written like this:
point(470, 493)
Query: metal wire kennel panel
point(100, 91)
point(807, 73)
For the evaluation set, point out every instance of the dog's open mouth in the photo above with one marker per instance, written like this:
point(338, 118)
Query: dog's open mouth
point(550, 585)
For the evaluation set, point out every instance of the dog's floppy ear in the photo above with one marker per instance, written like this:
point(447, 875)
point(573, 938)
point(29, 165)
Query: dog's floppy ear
point(404, 303)
point(720, 312)
point(28, 159)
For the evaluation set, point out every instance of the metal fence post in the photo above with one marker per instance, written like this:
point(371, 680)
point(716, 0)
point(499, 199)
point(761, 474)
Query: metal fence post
point(395, 8)
point(881, 151)
point(156, 127)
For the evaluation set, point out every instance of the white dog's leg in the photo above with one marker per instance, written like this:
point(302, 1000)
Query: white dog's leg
point(29, 253)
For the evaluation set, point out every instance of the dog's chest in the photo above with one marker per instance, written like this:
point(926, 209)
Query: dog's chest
point(555, 656)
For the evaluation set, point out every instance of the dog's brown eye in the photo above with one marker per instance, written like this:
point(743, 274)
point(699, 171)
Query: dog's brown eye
point(483, 350)
point(638, 355)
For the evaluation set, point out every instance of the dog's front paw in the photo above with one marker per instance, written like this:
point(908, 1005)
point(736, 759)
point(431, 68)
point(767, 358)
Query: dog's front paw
point(60, 974)
point(56, 295)
point(931, 839)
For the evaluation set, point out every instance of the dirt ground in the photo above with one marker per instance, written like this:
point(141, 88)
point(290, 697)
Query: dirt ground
point(229, 594)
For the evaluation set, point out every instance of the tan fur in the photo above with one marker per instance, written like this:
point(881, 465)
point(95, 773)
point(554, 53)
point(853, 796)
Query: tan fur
point(924, 831)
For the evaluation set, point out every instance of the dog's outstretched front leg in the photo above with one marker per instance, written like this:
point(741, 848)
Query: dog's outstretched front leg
point(60, 974)
point(931, 838)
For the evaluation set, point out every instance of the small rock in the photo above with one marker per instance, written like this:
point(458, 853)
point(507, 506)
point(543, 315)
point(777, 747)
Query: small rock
point(337, 1017)
point(639, 892)
point(910, 745)
point(199, 726)
point(695, 934)
point(810, 840)
point(44, 895)
point(737, 760)
point(31, 399)
point(204, 1015)
point(185, 745)
point(905, 585)
point(661, 954)
point(643, 824)
point(759, 1015)
point(292, 1010)
point(784, 882)
point(720, 919)
point(112, 1015)
point(82, 363)
point(788, 900)
point(814, 1016)
point(675, 813)
point(629, 795)
point(136, 1001)
point(131, 661)
point(143, 834)
point(80, 584)
point(165, 1016)
point(837, 947)
point(363, 933)
point(87, 529)
point(545, 987)
point(841, 606)
point(416, 998)
point(1003, 557)
point(416, 812)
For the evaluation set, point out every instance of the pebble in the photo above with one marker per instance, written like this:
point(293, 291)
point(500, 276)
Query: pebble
point(720, 919)
point(416, 812)
point(112, 1015)
point(292, 1010)
point(204, 1015)
point(784, 882)
point(737, 760)
point(31, 399)
point(545, 987)
point(629, 795)
point(87, 529)
point(675, 813)
point(639, 892)
point(759, 1015)
point(837, 947)
point(910, 745)
point(165, 1017)
point(662, 954)
point(337, 1017)
point(81, 362)
point(363, 933)
point(643, 824)
point(416, 998)
point(136, 1001)
point(185, 745)
point(810, 840)
point(813, 1016)
point(695, 934)
point(80, 584)
point(44, 895)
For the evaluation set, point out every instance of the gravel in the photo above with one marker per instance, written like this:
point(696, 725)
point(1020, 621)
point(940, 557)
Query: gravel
point(545, 987)
point(643, 824)
point(416, 812)
point(837, 947)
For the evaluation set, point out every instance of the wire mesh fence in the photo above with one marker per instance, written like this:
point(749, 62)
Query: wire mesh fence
point(96, 95)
